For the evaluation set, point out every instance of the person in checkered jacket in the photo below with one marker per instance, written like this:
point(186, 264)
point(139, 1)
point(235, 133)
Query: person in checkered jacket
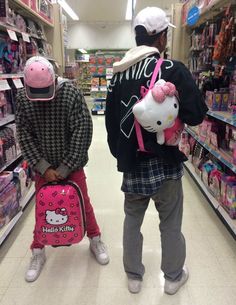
point(54, 129)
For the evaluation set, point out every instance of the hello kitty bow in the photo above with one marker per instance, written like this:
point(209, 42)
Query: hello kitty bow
point(62, 211)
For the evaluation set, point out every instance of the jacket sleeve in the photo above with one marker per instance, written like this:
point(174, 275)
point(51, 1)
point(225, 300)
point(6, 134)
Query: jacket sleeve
point(29, 147)
point(111, 118)
point(192, 108)
point(80, 131)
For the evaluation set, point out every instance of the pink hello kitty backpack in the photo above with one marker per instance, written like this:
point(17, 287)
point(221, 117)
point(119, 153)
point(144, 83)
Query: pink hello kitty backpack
point(60, 214)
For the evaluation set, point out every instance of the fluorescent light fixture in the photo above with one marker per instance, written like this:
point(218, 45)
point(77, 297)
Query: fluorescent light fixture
point(68, 9)
point(129, 9)
point(83, 51)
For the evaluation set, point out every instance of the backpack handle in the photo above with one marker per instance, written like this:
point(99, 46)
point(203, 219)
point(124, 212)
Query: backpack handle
point(136, 123)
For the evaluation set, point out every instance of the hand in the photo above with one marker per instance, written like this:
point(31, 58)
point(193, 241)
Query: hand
point(60, 177)
point(51, 175)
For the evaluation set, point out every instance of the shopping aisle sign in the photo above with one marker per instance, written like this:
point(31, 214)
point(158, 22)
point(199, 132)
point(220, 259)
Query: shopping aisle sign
point(193, 15)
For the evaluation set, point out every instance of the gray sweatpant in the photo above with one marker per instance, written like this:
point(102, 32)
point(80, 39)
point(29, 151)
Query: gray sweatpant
point(169, 204)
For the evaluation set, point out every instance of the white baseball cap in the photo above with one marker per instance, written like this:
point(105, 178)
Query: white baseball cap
point(153, 19)
point(39, 79)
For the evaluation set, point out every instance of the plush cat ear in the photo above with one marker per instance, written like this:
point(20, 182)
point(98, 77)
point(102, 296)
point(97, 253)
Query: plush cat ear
point(138, 109)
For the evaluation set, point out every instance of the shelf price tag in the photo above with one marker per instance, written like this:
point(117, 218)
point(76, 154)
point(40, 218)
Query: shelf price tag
point(4, 85)
point(25, 37)
point(18, 83)
point(12, 35)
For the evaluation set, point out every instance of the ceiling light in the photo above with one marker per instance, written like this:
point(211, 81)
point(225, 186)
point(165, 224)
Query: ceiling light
point(83, 51)
point(129, 10)
point(68, 9)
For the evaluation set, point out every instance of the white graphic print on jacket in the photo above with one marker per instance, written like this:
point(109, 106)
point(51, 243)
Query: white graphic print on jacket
point(135, 72)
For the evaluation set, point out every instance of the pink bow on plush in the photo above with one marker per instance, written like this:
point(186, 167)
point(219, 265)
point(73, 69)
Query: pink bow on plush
point(61, 211)
point(160, 92)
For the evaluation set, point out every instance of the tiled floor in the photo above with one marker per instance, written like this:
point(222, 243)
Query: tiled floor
point(71, 276)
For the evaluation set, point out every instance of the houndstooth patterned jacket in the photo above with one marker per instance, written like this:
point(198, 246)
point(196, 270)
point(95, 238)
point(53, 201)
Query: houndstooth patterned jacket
point(54, 133)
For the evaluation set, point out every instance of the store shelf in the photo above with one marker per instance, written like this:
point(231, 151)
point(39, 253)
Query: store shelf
point(26, 11)
point(99, 75)
point(16, 75)
point(98, 91)
point(213, 9)
point(223, 116)
point(230, 223)
point(99, 99)
point(4, 26)
point(218, 155)
point(98, 112)
point(188, 165)
point(4, 232)
point(9, 163)
point(26, 199)
point(10, 118)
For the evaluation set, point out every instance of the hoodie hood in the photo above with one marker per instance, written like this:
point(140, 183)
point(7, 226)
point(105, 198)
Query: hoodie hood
point(60, 83)
point(133, 56)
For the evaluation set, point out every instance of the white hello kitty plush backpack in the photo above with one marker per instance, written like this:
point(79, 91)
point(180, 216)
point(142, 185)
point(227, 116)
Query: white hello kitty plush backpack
point(157, 111)
point(60, 214)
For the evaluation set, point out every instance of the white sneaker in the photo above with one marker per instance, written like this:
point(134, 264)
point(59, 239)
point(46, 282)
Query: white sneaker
point(173, 287)
point(134, 286)
point(36, 264)
point(98, 248)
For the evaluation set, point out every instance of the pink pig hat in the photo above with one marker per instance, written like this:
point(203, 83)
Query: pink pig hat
point(39, 79)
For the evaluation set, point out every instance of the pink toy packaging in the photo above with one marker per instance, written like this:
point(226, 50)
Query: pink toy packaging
point(215, 183)
point(204, 129)
point(60, 214)
point(226, 182)
point(184, 145)
point(229, 202)
point(9, 204)
point(5, 179)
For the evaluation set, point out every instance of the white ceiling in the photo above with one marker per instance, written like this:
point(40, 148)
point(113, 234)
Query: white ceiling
point(111, 10)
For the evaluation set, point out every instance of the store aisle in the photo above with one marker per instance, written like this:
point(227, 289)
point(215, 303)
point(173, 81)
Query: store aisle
point(71, 275)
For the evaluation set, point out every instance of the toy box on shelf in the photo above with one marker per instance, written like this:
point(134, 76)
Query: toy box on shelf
point(14, 185)
point(45, 10)
point(228, 194)
point(9, 204)
point(218, 179)
point(9, 147)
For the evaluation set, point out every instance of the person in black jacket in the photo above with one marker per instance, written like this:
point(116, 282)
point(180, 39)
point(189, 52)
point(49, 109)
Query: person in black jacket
point(156, 175)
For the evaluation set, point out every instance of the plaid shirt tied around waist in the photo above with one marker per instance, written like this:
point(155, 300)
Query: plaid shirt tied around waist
point(149, 175)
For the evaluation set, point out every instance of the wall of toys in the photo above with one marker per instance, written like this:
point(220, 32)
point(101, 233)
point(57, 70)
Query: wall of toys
point(23, 33)
point(211, 146)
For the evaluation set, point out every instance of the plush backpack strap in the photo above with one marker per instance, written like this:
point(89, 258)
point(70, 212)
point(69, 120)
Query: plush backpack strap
point(136, 123)
point(155, 73)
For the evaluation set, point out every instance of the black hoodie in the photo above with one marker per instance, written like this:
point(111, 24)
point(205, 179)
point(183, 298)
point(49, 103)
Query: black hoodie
point(123, 93)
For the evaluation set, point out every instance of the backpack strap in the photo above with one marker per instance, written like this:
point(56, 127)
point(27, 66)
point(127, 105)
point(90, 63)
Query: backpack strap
point(136, 123)
point(155, 73)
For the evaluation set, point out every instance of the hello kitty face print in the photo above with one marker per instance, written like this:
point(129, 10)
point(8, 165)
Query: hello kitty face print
point(57, 217)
